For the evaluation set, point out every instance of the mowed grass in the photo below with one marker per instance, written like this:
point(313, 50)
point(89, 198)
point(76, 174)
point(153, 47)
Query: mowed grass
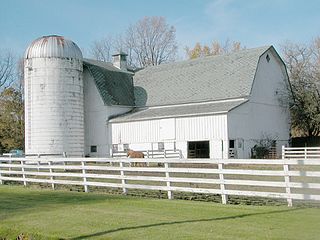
point(47, 214)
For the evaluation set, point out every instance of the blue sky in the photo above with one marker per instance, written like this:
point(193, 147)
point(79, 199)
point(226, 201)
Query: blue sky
point(252, 22)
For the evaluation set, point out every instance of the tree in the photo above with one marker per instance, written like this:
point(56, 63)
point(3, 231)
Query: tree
point(103, 49)
point(303, 64)
point(216, 49)
point(6, 69)
point(11, 102)
point(150, 41)
point(11, 120)
point(264, 146)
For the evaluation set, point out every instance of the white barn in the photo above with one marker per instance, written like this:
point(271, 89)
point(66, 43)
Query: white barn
point(218, 107)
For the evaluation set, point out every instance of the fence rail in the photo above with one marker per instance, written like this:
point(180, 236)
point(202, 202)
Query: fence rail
point(301, 152)
point(289, 179)
point(166, 153)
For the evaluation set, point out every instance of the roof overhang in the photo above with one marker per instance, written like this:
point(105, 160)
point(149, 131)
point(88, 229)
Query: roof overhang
point(177, 111)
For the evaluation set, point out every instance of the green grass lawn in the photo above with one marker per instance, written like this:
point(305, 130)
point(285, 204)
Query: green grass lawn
point(46, 214)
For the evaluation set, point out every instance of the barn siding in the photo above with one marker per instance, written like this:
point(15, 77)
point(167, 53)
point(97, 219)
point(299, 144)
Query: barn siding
point(201, 128)
point(96, 114)
point(136, 132)
point(262, 115)
point(141, 134)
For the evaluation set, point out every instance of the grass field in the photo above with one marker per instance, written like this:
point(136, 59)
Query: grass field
point(46, 214)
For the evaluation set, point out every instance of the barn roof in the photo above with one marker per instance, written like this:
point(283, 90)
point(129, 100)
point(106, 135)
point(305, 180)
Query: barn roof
point(115, 86)
point(203, 79)
point(179, 111)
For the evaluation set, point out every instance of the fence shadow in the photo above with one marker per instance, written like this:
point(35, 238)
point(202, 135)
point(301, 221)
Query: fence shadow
point(18, 200)
point(98, 234)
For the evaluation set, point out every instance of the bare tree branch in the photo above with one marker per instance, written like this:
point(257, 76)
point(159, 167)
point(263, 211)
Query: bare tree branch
point(303, 63)
point(102, 50)
point(6, 69)
point(151, 41)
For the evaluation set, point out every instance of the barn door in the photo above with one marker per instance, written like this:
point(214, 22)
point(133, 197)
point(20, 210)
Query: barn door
point(232, 149)
point(198, 149)
point(167, 129)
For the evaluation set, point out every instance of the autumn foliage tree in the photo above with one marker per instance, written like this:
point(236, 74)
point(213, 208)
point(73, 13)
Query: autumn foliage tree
point(216, 48)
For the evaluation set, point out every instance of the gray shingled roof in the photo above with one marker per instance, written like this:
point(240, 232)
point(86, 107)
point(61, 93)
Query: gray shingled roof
point(205, 79)
point(115, 86)
point(178, 111)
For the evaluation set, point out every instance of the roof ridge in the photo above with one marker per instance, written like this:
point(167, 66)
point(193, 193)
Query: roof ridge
point(210, 57)
point(105, 65)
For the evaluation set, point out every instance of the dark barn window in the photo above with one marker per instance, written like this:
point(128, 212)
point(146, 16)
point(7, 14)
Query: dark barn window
point(93, 149)
point(199, 149)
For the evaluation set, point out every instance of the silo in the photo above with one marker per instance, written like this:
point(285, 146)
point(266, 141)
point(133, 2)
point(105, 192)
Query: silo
point(54, 112)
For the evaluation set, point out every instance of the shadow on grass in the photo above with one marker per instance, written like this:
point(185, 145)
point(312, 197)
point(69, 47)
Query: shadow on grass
point(15, 200)
point(179, 222)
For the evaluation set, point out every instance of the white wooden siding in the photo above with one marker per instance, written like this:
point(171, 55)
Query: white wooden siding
point(96, 114)
point(263, 115)
point(168, 129)
point(141, 134)
point(188, 128)
point(212, 127)
point(136, 132)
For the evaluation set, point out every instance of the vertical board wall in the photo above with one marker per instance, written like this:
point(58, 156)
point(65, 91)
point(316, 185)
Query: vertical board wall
point(142, 134)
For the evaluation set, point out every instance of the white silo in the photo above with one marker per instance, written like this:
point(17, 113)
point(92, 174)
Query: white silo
point(54, 113)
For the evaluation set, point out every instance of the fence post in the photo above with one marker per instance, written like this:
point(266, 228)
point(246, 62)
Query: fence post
point(0, 175)
point(23, 173)
point(286, 178)
point(166, 166)
point(148, 156)
point(123, 181)
point(10, 162)
point(51, 177)
point(283, 152)
point(84, 177)
point(38, 163)
point(64, 154)
point(224, 197)
point(305, 153)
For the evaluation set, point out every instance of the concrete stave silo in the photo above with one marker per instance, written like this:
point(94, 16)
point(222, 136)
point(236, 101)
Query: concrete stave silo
point(54, 108)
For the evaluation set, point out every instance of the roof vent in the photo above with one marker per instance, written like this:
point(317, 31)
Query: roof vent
point(119, 60)
point(268, 58)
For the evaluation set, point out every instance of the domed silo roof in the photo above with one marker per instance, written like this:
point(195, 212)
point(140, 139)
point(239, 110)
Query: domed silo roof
point(53, 46)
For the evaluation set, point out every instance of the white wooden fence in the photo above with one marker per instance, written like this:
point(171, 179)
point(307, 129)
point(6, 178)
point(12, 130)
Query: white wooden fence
point(282, 178)
point(166, 153)
point(301, 152)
